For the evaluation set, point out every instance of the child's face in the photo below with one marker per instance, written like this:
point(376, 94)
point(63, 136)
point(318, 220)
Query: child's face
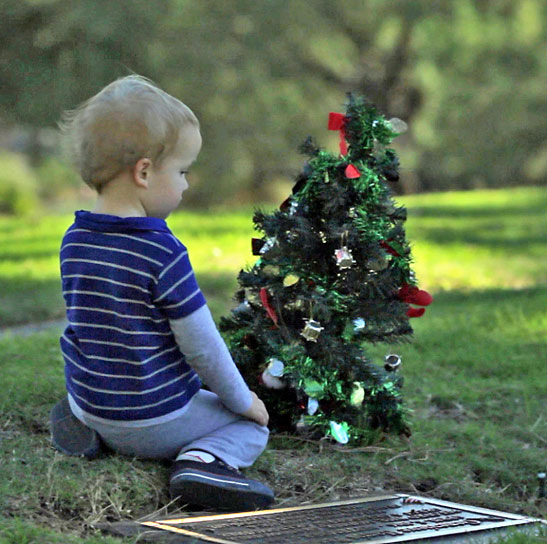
point(168, 182)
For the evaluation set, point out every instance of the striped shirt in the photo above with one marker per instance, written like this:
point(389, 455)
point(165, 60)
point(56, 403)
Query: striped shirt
point(123, 280)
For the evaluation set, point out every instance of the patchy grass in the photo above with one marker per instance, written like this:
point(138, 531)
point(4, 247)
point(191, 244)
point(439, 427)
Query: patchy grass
point(474, 381)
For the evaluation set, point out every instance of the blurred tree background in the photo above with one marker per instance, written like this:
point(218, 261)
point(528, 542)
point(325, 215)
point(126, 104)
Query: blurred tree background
point(469, 78)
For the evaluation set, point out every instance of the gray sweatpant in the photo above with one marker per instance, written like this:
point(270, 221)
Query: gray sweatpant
point(207, 425)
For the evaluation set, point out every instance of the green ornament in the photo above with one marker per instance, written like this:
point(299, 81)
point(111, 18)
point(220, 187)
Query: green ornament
point(357, 395)
point(389, 386)
point(271, 270)
point(339, 431)
point(290, 280)
point(313, 388)
point(397, 125)
point(378, 263)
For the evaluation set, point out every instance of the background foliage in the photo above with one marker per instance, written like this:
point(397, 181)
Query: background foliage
point(468, 77)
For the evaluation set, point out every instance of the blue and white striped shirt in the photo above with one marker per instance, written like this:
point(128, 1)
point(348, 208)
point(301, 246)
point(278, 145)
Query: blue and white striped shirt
point(123, 280)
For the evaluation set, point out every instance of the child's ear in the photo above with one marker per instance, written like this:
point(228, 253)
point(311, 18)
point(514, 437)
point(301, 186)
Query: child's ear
point(141, 172)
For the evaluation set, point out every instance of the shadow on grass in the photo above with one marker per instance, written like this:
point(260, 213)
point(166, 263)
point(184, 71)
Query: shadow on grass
point(485, 297)
point(536, 206)
point(24, 300)
point(485, 237)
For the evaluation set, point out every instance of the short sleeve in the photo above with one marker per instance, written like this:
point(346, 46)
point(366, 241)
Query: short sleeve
point(177, 292)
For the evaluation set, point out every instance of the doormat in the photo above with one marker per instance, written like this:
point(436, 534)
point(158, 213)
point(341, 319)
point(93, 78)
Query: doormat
point(372, 520)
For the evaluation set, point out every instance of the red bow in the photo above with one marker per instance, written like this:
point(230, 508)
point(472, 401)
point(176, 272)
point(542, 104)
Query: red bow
point(337, 121)
point(412, 295)
point(269, 310)
point(415, 312)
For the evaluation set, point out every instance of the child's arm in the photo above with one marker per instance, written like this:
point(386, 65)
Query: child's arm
point(206, 352)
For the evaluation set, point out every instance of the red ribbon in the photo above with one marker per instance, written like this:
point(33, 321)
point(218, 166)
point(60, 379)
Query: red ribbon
point(389, 249)
point(270, 311)
point(415, 312)
point(337, 121)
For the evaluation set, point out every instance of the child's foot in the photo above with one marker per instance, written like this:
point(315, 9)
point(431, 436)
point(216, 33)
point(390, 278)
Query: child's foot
point(215, 484)
point(69, 435)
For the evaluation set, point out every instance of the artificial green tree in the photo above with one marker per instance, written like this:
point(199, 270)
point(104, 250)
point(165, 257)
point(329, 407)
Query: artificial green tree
point(333, 274)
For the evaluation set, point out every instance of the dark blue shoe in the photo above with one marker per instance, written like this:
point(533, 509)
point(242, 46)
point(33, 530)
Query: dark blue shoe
point(217, 485)
point(70, 436)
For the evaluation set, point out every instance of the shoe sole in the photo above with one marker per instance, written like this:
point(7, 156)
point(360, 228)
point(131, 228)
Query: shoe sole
point(215, 491)
point(70, 436)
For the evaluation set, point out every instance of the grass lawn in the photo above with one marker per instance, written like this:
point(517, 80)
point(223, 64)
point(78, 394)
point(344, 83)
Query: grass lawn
point(475, 378)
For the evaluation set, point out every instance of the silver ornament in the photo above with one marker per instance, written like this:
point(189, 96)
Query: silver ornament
point(242, 308)
point(293, 208)
point(272, 382)
point(344, 258)
point(313, 406)
point(270, 242)
point(276, 367)
point(359, 324)
point(392, 362)
point(312, 330)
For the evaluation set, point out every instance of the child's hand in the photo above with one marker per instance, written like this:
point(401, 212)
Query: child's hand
point(257, 412)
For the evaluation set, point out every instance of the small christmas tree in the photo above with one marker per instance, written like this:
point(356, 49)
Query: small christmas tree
point(334, 273)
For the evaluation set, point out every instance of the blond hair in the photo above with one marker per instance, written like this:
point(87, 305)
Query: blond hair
point(129, 119)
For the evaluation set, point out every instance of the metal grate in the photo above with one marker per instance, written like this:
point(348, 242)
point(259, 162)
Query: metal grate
point(384, 519)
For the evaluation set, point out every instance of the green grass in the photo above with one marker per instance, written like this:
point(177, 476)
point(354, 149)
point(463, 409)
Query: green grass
point(462, 240)
point(475, 380)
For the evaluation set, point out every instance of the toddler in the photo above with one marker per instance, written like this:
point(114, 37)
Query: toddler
point(140, 338)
